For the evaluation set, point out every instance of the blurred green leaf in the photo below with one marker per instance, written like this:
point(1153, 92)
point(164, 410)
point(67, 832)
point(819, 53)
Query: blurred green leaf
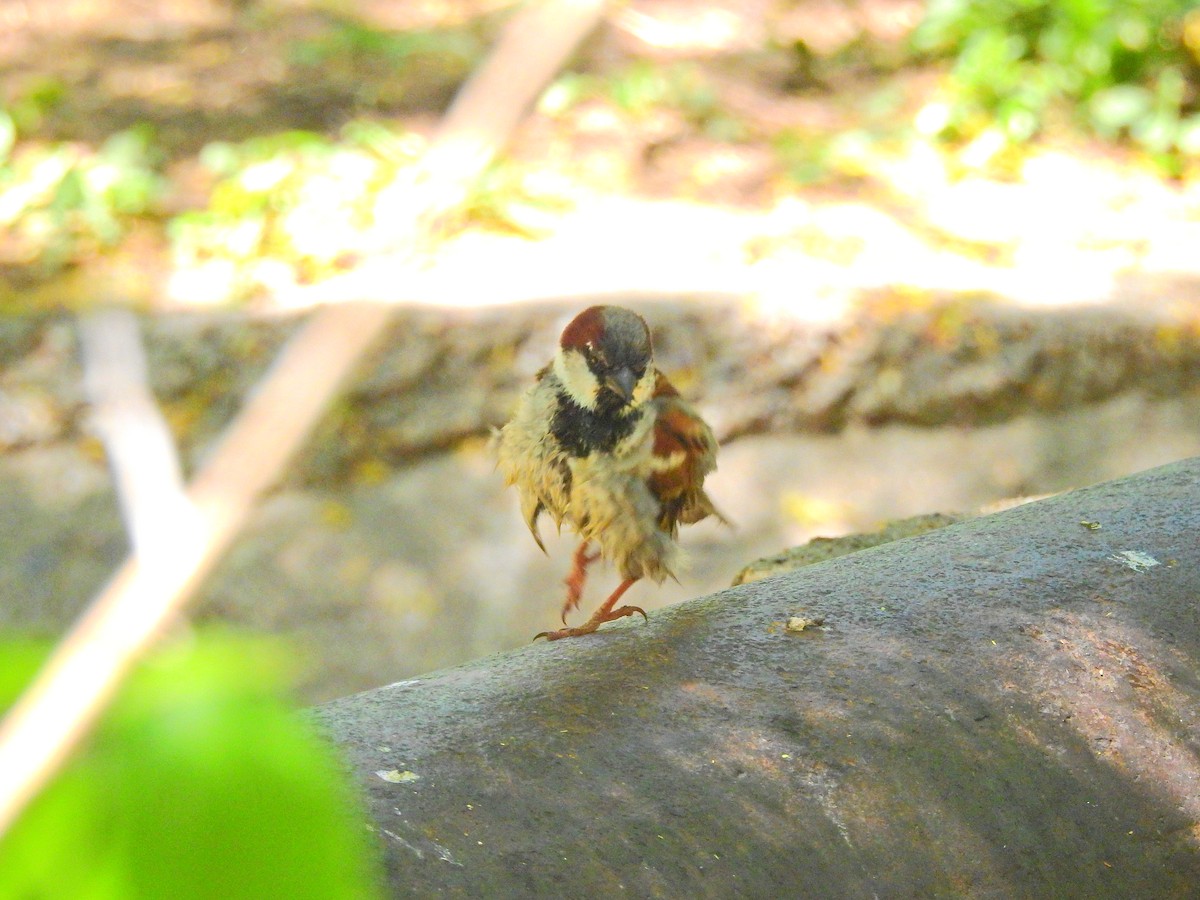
point(199, 782)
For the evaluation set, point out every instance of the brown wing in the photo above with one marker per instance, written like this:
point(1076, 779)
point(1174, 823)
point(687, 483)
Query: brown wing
point(685, 451)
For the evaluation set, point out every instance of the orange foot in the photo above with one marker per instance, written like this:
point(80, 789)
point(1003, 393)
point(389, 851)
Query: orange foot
point(605, 613)
point(577, 578)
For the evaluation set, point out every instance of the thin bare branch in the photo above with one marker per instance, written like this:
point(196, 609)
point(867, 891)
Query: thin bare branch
point(141, 452)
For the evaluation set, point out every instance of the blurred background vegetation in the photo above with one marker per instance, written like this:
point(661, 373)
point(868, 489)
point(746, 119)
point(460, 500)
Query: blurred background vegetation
point(230, 150)
point(213, 153)
point(1119, 71)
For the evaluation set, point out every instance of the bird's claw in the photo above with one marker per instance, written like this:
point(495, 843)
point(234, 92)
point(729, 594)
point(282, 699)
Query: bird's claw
point(629, 611)
point(592, 624)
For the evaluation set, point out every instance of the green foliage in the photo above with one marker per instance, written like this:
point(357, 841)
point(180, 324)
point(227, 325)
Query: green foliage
point(199, 782)
point(807, 157)
point(803, 156)
point(296, 201)
point(383, 68)
point(1123, 68)
point(300, 206)
point(61, 201)
point(30, 108)
point(502, 200)
point(644, 87)
point(366, 46)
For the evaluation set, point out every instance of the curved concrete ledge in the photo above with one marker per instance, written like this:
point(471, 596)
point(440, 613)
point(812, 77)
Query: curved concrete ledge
point(1009, 706)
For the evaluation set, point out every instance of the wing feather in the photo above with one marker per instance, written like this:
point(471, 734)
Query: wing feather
point(685, 451)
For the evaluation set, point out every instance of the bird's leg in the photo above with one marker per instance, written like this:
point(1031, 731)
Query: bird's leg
point(578, 575)
point(605, 613)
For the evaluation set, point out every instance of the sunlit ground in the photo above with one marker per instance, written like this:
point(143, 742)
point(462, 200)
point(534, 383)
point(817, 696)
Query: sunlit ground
point(1070, 231)
point(705, 171)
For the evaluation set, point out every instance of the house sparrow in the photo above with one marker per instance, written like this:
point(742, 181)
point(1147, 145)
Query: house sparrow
point(603, 442)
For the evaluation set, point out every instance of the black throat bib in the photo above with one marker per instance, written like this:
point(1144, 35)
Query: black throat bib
point(581, 432)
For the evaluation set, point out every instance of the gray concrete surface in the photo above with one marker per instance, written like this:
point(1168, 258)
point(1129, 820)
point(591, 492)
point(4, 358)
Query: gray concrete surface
point(1007, 707)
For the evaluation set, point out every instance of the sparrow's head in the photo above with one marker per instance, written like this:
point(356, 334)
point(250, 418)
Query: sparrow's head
point(604, 360)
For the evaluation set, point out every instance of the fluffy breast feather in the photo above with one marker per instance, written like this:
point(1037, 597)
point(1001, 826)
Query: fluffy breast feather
point(629, 500)
point(612, 504)
point(531, 460)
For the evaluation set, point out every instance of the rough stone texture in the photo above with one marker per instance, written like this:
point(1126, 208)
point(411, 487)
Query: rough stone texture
point(1004, 707)
point(441, 376)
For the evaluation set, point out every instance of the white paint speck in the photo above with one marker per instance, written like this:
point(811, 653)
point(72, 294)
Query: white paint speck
point(445, 855)
point(395, 776)
point(1135, 559)
point(403, 843)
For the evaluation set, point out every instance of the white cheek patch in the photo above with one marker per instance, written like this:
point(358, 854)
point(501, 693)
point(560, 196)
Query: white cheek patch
point(573, 373)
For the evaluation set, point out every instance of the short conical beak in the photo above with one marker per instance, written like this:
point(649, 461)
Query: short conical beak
point(621, 383)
